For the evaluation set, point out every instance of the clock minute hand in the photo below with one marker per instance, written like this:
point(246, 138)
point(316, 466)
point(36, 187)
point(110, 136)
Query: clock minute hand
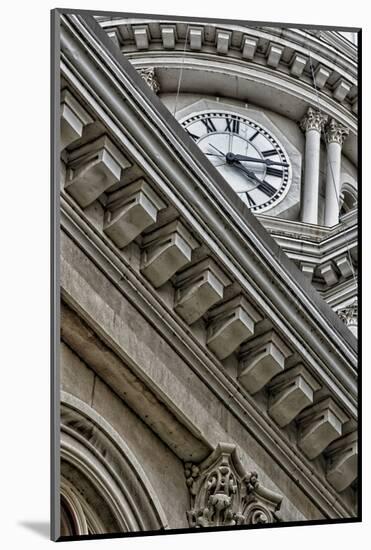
point(268, 162)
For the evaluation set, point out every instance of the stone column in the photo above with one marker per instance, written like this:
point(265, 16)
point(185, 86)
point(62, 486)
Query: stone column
point(312, 124)
point(335, 135)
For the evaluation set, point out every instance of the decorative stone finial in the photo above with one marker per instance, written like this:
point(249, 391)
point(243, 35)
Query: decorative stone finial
point(313, 120)
point(223, 493)
point(149, 75)
point(335, 132)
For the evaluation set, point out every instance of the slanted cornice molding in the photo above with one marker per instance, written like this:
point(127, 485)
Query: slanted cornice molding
point(209, 206)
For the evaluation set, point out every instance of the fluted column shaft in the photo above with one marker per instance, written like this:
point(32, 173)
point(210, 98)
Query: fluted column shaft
point(312, 124)
point(335, 135)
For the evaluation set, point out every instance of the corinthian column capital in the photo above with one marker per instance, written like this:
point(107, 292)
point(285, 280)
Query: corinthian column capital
point(149, 75)
point(335, 132)
point(313, 120)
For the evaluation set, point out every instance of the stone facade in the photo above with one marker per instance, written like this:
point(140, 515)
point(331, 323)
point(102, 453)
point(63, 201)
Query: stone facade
point(208, 357)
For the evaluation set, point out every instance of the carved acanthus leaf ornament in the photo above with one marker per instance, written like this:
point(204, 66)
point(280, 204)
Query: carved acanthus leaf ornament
point(223, 493)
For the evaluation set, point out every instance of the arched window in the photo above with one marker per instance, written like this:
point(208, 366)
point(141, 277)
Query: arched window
point(348, 198)
point(103, 487)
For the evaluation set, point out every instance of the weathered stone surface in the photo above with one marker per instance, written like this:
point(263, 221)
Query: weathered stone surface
point(73, 119)
point(131, 210)
point(319, 426)
point(260, 359)
point(198, 289)
point(342, 462)
point(165, 251)
point(94, 168)
point(231, 324)
point(290, 393)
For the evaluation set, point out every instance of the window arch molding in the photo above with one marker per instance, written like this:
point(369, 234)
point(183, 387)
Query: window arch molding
point(102, 482)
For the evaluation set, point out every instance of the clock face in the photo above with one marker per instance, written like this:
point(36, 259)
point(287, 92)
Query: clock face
point(246, 154)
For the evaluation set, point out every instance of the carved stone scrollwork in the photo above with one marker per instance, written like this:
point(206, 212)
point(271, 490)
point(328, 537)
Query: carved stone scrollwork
point(223, 493)
point(149, 75)
point(349, 314)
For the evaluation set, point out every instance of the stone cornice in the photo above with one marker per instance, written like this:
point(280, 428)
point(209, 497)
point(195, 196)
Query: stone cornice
point(300, 43)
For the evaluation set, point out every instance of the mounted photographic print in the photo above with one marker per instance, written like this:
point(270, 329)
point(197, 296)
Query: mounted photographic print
point(205, 275)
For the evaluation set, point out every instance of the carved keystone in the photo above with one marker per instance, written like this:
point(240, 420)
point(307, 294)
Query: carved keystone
point(231, 324)
point(319, 426)
point(261, 358)
point(94, 168)
point(165, 251)
point(199, 287)
point(73, 119)
point(223, 493)
point(131, 210)
point(290, 393)
point(342, 461)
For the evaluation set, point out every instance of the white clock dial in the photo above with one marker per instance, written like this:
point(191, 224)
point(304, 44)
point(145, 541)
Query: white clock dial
point(245, 153)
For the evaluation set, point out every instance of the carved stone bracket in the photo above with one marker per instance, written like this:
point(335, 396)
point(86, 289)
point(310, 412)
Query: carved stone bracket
point(73, 119)
point(165, 251)
point(222, 493)
point(290, 393)
point(131, 210)
point(342, 463)
point(149, 75)
point(261, 358)
point(199, 287)
point(94, 168)
point(230, 324)
point(319, 426)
